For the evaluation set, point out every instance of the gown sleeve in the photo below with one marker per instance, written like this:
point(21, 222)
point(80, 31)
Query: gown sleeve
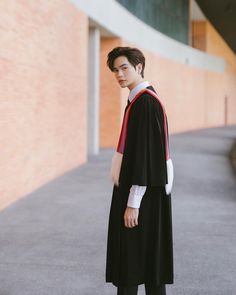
point(144, 160)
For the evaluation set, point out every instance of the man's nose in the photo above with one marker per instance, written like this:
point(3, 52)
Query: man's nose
point(119, 73)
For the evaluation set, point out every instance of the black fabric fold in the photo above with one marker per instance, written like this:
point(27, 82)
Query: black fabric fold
point(144, 160)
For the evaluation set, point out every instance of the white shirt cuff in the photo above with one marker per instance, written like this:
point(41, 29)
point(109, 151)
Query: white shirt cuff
point(135, 196)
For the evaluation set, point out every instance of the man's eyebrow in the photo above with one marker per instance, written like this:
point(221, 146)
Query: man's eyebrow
point(120, 66)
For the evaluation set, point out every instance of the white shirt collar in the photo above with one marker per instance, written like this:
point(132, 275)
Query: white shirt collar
point(137, 88)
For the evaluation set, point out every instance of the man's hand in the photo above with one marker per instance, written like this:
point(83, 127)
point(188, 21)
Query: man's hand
point(131, 217)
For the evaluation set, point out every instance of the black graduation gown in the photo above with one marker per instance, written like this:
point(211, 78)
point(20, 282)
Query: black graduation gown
point(144, 253)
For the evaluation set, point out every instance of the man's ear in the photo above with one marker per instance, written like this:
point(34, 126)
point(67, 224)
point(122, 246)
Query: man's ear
point(139, 68)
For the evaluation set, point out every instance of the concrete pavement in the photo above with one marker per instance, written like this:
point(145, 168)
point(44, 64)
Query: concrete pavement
point(53, 241)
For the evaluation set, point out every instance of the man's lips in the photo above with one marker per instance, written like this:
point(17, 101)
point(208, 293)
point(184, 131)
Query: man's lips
point(121, 80)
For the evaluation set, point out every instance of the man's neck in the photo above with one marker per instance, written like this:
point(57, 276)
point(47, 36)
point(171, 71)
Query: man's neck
point(135, 84)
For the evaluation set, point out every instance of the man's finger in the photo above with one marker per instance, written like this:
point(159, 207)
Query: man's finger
point(126, 222)
point(133, 222)
point(130, 222)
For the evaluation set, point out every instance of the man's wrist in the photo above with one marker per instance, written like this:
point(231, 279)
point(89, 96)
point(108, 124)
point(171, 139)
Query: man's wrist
point(132, 207)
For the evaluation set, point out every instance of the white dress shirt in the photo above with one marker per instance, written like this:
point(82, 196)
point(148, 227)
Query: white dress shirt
point(136, 192)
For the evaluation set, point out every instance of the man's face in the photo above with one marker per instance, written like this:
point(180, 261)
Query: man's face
point(125, 73)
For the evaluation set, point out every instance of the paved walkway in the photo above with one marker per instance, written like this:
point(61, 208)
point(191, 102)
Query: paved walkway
point(53, 241)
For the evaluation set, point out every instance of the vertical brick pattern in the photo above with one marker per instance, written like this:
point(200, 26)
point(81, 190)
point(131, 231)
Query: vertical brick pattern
point(110, 97)
point(199, 38)
point(43, 93)
point(217, 46)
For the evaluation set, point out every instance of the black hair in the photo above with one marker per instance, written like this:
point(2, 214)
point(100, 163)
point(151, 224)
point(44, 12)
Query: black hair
point(134, 56)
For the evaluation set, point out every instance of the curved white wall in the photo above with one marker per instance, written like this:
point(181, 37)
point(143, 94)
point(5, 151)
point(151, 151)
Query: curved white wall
point(110, 15)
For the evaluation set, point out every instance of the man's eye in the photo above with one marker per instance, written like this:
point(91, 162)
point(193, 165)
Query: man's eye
point(124, 68)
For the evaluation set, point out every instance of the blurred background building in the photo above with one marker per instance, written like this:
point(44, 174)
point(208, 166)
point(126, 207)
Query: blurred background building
point(59, 103)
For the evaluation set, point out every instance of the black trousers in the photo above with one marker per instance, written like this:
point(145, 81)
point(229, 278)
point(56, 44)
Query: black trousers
point(149, 290)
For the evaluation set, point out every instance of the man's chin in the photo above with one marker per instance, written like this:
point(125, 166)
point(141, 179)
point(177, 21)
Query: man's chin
point(124, 85)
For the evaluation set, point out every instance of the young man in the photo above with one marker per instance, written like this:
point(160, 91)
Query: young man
point(139, 243)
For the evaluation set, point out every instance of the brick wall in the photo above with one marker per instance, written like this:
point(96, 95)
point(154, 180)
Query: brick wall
point(43, 88)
